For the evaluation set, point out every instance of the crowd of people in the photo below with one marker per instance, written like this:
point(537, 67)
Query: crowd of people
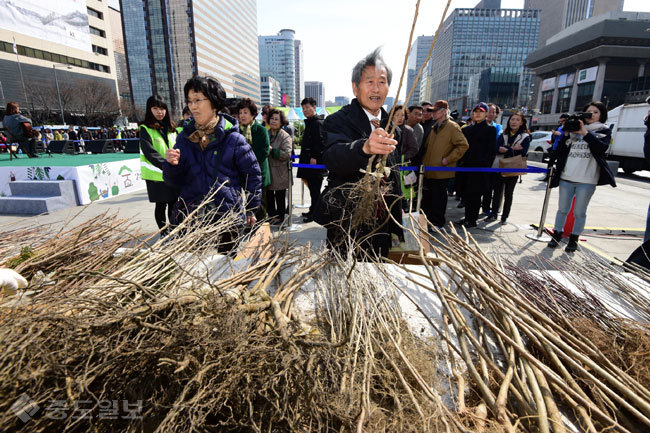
point(219, 149)
point(220, 143)
point(21, 136)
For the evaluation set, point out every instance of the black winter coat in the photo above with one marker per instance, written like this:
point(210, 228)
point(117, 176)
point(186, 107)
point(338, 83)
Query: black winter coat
point(346, 132)
point(311, 146)
point(597, 145)
point(482, 140)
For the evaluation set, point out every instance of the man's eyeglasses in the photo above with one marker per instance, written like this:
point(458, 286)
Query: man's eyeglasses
point(196, 101)
point(432, 110)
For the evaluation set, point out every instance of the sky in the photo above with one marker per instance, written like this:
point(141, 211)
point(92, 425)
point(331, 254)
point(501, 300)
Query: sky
point(336, 34)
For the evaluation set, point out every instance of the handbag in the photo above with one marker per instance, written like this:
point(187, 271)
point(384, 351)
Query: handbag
point(516, 161)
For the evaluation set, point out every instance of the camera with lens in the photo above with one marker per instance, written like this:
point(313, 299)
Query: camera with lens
point(572, 123)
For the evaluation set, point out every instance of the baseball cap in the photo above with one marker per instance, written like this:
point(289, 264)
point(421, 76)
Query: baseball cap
point(441, 103)
point(481, 106)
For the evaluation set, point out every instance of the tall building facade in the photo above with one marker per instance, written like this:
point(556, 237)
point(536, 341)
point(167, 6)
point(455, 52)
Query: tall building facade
point(604, 58)
point(417, 56)
point(316, 90)
point(270, 91)
point(42, 43)
point(300, 75)
point(169, 41)
point(556, 15)
point(121, 69)
point(475, 42)
point(277, 58)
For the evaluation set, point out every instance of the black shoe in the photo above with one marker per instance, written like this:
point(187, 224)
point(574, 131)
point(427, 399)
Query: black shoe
point(306, 214)
point(307, 219)
point(491, 217)
point(460, 222)
point(555, 241)
point(572, 246)
point(470, 224)
point(461, 205)
point(504, 222)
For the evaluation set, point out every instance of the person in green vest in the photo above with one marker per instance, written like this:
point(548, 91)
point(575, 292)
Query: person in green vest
point(258, 137)
point(157, 135)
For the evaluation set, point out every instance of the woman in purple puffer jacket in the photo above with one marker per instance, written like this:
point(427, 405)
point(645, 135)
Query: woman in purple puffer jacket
point(211, 155)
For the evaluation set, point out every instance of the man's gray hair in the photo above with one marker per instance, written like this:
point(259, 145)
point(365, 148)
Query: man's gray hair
point(373, 59)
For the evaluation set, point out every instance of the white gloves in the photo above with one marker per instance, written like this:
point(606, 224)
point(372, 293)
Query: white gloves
point(11, 280)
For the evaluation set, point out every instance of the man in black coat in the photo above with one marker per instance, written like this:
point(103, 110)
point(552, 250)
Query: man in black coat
point(311, 152)
point(482, 140)
point(354, 134)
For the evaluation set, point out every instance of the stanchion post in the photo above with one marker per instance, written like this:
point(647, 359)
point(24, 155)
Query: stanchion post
point(420, 183)
point(302, 204)
point(540, 236)
point(290, 226)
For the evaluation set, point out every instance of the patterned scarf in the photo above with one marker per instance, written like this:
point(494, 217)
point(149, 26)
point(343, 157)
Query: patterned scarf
point(202, 132)
point(246, 131)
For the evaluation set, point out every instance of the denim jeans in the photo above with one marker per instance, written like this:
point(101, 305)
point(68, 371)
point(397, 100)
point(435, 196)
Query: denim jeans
point(583, 193)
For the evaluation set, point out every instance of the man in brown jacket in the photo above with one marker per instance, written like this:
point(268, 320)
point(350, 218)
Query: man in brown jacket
point(444, 146)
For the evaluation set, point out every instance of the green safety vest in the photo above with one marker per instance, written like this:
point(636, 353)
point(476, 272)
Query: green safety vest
point(148, 170)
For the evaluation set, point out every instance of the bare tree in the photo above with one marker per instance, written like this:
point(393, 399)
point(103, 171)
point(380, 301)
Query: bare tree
point(96, 101)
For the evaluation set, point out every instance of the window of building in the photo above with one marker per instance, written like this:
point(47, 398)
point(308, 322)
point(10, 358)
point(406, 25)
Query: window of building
point(564, 99)
point(93, 13)
point(547, 101)
point(53, 57)
point(585, 94)
point(100, 50)
point(96, 31)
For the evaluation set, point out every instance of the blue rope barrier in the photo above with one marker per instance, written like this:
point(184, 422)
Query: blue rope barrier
point(458, 169)
point(479, 169)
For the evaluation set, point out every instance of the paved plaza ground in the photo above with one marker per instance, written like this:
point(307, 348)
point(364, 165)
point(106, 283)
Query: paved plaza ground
point(617, 214)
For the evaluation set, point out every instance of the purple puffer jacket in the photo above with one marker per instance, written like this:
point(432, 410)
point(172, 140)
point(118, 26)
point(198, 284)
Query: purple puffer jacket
point(238, 169)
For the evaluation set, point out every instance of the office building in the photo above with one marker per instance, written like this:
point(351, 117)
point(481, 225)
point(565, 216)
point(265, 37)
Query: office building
point(277, 58)
point(341, 100)
point(67, 41)
point(300, 75)
point(603, 58)
point(119, 52)
point(167, 42)
point(417, 56)
point(270, 91)
point(556, 15)
point(475, 41)
point(316, 90)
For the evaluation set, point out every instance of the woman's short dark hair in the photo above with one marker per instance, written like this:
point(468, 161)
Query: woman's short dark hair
point(12, 108)
point(150, 120)
point(210, 87)
point(247, 103)
point(283, 118)
point(524, 123)
point(601, 107)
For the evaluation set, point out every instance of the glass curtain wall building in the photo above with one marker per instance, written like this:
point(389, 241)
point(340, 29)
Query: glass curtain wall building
point(417, 55)
point(278, 60)
point(169, 41)
point(488, 47)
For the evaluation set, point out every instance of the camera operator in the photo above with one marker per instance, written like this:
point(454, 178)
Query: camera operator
point(581, 166)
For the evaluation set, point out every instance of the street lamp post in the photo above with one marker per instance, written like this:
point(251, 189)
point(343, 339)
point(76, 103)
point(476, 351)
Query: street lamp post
point(58, 92)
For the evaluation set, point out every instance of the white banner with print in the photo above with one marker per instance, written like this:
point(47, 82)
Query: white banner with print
point(93, 182)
